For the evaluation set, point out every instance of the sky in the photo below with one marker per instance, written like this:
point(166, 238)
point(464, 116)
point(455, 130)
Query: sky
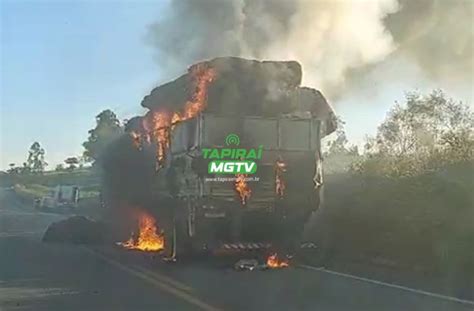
point(62, 62)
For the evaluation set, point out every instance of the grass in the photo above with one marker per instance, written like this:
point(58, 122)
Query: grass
point(82, 178)
point(31, 186)
point(33, 191)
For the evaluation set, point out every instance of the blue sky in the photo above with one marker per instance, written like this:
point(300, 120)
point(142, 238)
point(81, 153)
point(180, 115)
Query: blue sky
point(63, 62)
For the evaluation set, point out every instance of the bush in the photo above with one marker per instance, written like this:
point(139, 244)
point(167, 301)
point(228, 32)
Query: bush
point(409, 197)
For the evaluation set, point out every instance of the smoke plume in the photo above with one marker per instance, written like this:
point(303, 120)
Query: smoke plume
point(437, 35)
point(331, 39)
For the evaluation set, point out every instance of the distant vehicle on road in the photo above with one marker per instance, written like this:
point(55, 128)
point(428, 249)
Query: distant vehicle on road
point(62, 197)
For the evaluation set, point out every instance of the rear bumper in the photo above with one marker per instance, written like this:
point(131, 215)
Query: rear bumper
point(241, 228)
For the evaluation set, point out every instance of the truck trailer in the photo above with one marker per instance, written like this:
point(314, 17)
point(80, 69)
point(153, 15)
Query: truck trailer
point(237, 150)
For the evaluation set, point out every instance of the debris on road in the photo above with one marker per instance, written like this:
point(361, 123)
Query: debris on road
point(247, 265)
point(274, 261)
point(77, 230)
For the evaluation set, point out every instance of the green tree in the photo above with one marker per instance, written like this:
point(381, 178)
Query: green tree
point(72, 163)
point(13, 169)
point(425, 133)
point(106, 130)
point(35, 162)
point(339, 154)
point(340, 144)
point(426, 123)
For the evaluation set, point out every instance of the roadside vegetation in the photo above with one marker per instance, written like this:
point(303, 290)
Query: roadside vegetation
point(31, 180)
point(407, 200)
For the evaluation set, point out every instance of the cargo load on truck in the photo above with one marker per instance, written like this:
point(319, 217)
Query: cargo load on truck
point(244, 87)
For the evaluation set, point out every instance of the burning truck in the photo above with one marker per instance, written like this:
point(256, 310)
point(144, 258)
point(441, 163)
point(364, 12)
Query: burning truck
point(228, 156)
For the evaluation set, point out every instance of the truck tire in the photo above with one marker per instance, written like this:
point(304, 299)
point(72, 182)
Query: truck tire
point(178, 244)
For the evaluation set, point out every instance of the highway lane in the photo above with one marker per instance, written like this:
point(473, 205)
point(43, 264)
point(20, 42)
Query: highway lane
point(39, 276)
point(296, 288)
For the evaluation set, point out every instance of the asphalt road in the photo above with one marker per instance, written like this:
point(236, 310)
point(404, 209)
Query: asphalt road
point(39, 276)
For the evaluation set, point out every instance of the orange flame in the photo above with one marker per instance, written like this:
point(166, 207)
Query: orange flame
point(280, 169)
point(242, 188)
point(203, 76)
point(148, 238)
point(175, 119)
point(274, 262)
point(161, 123)
point(158, 125)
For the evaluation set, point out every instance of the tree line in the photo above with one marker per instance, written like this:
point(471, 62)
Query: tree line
point(108, 127)
point(423, 134)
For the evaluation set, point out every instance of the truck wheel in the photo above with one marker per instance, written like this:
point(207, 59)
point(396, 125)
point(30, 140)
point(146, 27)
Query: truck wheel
point(178, 244)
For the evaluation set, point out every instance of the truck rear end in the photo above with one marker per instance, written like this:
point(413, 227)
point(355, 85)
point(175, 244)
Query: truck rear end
point(217, 207)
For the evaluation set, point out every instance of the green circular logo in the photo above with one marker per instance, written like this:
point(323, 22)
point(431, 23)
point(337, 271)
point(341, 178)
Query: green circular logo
point(232, 139)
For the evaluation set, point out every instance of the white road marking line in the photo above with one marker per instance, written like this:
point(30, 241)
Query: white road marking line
point(155, 282)
point(164, 279)
point(19, 234)
point(409, 289)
